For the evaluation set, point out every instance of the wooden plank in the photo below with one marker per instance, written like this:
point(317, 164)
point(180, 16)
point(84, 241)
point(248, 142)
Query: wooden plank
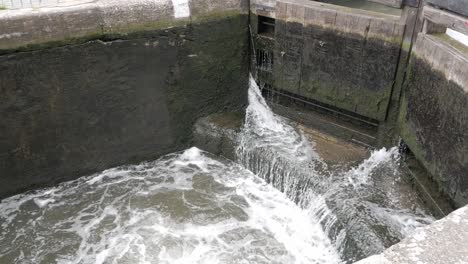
point(446, 19)
point(392, 3)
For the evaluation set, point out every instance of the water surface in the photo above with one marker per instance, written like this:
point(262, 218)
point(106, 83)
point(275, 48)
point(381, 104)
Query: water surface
point(188, 207)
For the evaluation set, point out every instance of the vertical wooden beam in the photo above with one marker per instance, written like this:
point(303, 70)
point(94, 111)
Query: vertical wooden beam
point(387, 129)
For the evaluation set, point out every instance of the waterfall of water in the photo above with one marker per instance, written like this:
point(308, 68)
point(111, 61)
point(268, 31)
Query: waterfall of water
point(192, 207)
point(187, 207)
point(350, 204)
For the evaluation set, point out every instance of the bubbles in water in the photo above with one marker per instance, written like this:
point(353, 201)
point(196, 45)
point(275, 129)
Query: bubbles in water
point(358, 208)
point(186, 207)
point(190, 207)
point(361, 175)
point(263, 128)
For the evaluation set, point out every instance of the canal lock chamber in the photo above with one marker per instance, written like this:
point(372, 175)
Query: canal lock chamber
point(309, 175)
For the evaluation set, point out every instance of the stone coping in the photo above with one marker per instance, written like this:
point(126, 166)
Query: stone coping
point(271, 4)
point(25, 27)
point(444, 241)
point(445, 55)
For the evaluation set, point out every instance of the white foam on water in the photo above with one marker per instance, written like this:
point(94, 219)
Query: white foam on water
point(348, 204)
point(182, 208)
point(181, 8)
point(43, 202)
point(360, 175)
point(190, 207)
point(263, 128)
point(289, 224)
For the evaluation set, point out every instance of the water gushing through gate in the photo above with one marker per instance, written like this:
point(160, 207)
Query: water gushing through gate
point(359, 208)
point(192, 207)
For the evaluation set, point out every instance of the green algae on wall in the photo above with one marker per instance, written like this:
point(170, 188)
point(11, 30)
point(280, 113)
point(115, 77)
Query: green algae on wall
point(434, 124)
point(340, 69)
point(71, 110)
point(107, 33)
point(212, 60)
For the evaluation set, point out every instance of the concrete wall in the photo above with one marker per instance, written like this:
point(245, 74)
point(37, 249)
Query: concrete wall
point(342, 57)
point(456, 6)
point(434, 119)
point(90, 87)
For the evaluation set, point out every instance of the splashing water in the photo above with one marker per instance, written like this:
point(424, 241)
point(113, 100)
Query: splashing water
point(359, 209)
point(192, 207)
point(183, 208)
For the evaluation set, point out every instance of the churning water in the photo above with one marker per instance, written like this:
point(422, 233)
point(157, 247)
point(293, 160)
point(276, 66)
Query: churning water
point(361, 209)
point(280, 203)
point(186, 207)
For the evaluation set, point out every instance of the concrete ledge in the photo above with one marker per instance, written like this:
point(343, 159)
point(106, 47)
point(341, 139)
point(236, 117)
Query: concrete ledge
point(444, 55)
point(441, 242)
point(446, 19)
point(457, 6)
point(263, 7)
point(433, 117)
point(27, 27)
point(76, 106)
point(349, 20)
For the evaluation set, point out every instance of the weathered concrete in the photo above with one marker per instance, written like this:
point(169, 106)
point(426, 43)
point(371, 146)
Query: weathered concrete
point(263, 7)
point(445, 20)
point(339, 126)
point(388, 131)
point(456, 6)
point(70, 110)
point(433, 119)
point(339, 56)
point(18, 4)
point(441, 242)
point(218, 133)
point(103, 19)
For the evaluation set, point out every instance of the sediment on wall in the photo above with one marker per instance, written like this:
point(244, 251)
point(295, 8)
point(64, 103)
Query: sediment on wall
point(29, 29)
point(433, 120)
point(342, 57)
point(76, 108)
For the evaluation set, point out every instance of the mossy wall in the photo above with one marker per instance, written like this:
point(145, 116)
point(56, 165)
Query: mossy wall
point(75, 109)
point(434, 124)
point(344, 70)
point(335, 56)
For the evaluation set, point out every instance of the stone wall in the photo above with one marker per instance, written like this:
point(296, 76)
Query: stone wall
point(433, 118)
point(338, 56)
point(91, 87)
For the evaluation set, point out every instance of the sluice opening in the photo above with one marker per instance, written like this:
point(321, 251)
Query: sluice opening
point(266, 26)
